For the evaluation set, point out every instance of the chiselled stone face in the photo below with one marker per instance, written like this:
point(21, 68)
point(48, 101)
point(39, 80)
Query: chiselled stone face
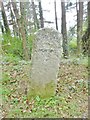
point(46, 55)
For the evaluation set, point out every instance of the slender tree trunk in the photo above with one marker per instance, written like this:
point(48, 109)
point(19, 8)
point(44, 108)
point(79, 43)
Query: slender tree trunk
point(36, 23)
point(79, 26)
point(55, 15)
point(15, 28)
point(89, 17)
point(88, 48)
point(64, 30)
point(86, 36)
point(24, 31)
point(2, 28)
point(88, 43)
point(41, 15)
point(6, 26)
point(20, 22)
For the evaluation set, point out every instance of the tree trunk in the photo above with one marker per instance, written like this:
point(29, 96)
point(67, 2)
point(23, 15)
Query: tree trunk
point(2, 28)
point(89, 18)
point(20, 22)
point(64, 30)
point(24, 31)
point(79, 26)
point(88, 41)
point(86, 36)
point(36, 23)
point(15, 27)
point(6, 26)
point(41, 15)
point(55, 15)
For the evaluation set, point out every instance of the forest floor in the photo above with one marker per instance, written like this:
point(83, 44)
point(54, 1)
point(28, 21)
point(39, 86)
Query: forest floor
point(71, 100)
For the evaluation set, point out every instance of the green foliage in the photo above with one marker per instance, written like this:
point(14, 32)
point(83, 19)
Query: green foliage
point(85, 25)
point(38, 98)
point(6, 92)
point(5, 78)
point(30, 40)
point(12, 45)
point(73, 45)
point(84, 61)
point(11, 58)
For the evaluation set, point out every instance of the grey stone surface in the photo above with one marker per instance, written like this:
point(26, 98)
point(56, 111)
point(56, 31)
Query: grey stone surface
point(47, 50)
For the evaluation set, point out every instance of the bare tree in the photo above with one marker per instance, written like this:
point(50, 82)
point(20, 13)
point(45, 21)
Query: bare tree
point(64, 30)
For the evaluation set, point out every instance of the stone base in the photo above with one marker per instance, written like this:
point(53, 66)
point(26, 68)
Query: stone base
point(43, 91)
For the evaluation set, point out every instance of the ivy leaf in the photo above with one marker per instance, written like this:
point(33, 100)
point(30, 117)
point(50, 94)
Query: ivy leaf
point(38, 98)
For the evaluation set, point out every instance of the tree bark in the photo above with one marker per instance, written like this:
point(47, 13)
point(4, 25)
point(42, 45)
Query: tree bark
point(2, 29)
point(86, 36)
point(6, 26)
point(15, 27)
point(79, 26)
point(36, 23)
point(24, 31)
point(89, 17)
point(41, 15)
point(64, 30)
point(20, 22)
point(88, 41)
point(55, 15)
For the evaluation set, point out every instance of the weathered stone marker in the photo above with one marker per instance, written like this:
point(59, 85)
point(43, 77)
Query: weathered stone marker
point(45, 62)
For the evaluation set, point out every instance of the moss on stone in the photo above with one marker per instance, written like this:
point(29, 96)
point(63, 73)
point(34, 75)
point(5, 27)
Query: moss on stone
point(43, 91)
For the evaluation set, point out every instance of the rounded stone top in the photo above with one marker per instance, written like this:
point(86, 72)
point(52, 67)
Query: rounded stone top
point(48, 34)
point(48, 30)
